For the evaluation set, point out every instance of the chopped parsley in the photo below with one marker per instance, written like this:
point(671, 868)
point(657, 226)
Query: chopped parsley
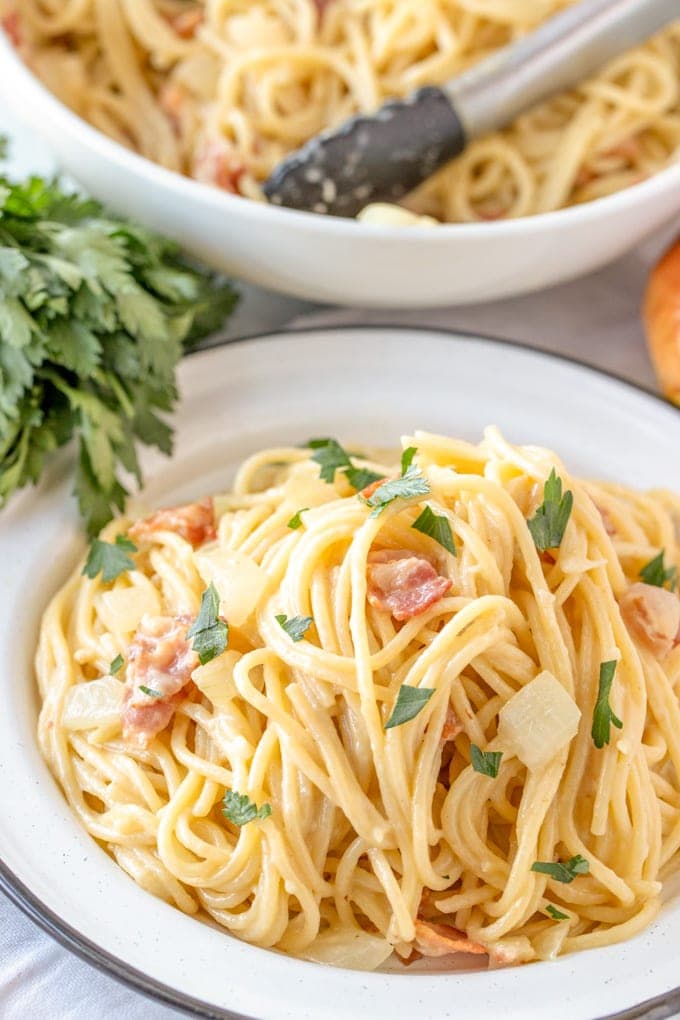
point(412, 483)
point(295, 628)
point(361, 478)
point(111, 559)
point(407, 458)
point(485, 762)
point(549, 523)
point(556, 914)
point(150, 692)
point(210, 633)
point(296, 520)
point(332, 457)
point(563, 871)
point(657, 574)
point(410, 701)
point(240, 809)
point(603, 716)
point(437, 526)
point(116, 665)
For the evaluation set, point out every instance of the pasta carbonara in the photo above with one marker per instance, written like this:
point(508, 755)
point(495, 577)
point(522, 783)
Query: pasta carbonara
point(352, 708)
point(224, 90)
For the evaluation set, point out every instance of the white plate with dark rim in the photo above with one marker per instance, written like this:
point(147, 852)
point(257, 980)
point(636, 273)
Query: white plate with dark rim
point(359, 384)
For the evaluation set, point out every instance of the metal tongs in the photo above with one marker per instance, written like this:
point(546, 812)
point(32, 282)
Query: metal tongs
point(380, 157)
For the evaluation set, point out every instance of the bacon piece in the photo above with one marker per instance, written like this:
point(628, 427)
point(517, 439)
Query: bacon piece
point(628, 149)
point(609, 525)
point(491, 214)
point(452, 726)
point(652, 615)
point(11, 23)
point(186, 22)
point(216, 163)
point(402, 583)
point(194, 522)
point(373, 487)
point(442, 940)
point(172, 98)
point(161, 659)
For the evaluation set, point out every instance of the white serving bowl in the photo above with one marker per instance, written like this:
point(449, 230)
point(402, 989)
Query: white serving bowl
point(339, 261)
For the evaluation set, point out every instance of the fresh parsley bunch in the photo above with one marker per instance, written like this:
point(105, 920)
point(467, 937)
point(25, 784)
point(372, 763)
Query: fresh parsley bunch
point(95, 314)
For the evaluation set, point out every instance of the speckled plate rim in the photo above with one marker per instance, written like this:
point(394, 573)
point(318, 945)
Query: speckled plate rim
point(658, 1007)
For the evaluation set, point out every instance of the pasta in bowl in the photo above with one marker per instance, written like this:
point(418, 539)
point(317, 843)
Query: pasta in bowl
point(360, 706)
point(225, 93)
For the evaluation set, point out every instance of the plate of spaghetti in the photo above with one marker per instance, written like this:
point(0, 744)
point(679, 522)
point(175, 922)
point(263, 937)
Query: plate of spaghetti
point(373, 694)
point(220, 93)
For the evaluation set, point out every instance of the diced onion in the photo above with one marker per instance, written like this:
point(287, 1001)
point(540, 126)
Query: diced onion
point(538, 721)
point(121, 609)
point(352, 949)
point(93, 704)
point(216, 679)
point(238, 579)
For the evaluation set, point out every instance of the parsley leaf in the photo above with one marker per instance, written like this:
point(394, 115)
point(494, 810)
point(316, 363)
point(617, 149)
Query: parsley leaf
point(563, 871)
point(332, 457)
point(296, 520)
point(437, 526)
point(210, 634)
point(150, 692)
point(361, 478)
point(549, 523)
point(487, 763)
point(410, 701)
point(109, 558)
point(240, 809)
point(411, 484)
point(603, 716)
point(116, 665)
point(556, 914)
point(95, 314)
point(295, 628)
point(657, 574)
point(407, 458)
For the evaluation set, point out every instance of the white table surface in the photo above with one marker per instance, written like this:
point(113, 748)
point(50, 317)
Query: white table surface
point(595, 319)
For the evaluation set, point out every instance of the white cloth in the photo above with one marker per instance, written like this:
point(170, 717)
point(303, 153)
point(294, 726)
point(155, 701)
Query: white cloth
point(595, 319)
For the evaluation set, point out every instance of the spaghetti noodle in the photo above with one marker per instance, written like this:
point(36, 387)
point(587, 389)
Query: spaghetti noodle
point(224, 90)
point(437, 711)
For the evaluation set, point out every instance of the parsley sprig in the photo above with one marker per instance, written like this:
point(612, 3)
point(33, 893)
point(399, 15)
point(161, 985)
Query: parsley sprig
point(296, 627)
point(437, 526)
point(150, 692)
point(410, 701)
point(210, 633)
point(116, 665)
point(95, 314)
point(111, 559)
point(487, 763)
point(332, 457)
point(656, 573)
point(240, 809)
point(412, 483)
point(549, 523)
point(563, 871)
point(603, 714)
point(296, 520)
point(556, 914)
